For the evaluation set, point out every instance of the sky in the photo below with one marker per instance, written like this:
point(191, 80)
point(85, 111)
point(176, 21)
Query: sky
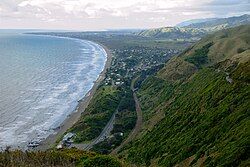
point(112, 14)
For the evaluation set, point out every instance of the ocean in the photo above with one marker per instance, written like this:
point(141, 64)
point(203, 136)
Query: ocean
point(41, 80)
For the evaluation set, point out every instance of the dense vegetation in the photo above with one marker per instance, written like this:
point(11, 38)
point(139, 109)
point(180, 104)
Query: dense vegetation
point(195, 109)
point(63, 158)
point(200, 57)
point(208, 118)
point(200, 118)
point(100, 161)
point(97, 114)
point(125, 120)
point(132, 55)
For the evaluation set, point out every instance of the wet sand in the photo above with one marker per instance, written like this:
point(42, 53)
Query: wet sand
point(51, 140)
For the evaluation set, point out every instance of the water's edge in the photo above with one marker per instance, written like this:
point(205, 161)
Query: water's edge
point(73, 113)
point(83, 103)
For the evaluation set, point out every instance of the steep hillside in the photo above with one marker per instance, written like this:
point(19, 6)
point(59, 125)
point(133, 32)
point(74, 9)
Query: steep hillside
point(227, 44)
point(197, 28)
point(196, 109)
point(230, 44)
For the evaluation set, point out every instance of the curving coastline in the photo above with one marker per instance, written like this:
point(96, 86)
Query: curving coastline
point(43, 87)
point(50, 141)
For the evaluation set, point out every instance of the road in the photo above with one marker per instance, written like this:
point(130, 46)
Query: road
point(104, 134)
point(108, 128)
point(138, 125)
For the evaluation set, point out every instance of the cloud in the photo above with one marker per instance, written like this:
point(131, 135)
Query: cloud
point(95, 8)
point(225, 8)
point(100, 14)
point(228, 2)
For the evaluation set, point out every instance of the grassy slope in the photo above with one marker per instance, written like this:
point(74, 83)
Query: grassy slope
point(97, 114)
point(67, 158)
point(205, 117)
point(125, 120)
point(227, 44)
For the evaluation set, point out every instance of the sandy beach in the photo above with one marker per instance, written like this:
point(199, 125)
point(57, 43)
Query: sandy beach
point(50, 141)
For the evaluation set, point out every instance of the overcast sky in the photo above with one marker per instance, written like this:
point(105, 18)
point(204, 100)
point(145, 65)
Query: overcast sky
point(112, 14)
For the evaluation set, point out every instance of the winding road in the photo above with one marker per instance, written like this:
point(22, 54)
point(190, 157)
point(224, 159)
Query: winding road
point(104, 134)
point(108, 128)
point(138, 125)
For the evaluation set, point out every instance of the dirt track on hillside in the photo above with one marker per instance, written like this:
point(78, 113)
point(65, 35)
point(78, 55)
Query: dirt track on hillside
point(138, 125)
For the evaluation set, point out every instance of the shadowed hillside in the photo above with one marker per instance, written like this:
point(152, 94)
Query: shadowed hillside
point(196, 109)
point(231, 46)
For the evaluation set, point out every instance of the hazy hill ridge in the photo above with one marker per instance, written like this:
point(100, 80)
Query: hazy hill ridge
point(193, 21)
point(196, 28)
point(221, 23)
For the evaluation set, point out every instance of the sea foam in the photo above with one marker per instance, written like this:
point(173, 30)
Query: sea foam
point(54, 73)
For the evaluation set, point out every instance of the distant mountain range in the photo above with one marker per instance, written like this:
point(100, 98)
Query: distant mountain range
point(194, 29)
point(221, 23)
point(194, 21)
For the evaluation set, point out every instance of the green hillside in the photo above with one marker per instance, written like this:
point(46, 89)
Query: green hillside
point(97, 114)
point(61, 158)
point(227, 44)
point(196, 109)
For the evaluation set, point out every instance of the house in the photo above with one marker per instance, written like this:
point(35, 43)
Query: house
point(117, 83)
point(68, 137)
point(59, 146)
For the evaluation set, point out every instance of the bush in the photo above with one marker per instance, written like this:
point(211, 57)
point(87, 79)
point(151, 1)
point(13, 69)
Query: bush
point(200, 57)
point(100, 161)
point(240, 50)
point(101, 108)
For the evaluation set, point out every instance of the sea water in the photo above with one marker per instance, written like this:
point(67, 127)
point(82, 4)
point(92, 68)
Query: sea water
point(41, 80)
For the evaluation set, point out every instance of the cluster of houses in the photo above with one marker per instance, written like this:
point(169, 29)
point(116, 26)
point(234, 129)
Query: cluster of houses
point(114, 79)
point(130, 61)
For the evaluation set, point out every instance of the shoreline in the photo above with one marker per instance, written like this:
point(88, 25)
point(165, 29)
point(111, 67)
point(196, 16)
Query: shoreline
point(83, 103)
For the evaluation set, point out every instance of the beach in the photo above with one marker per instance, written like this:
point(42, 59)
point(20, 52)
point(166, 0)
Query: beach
point(51, 140)
point(42, 80)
